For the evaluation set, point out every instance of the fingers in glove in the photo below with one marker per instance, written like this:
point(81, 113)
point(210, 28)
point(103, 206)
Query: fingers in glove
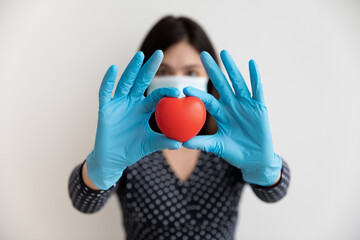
point(128, 77)
point(235, 76)
point(208, 143)
point(160, 141)
point(212, 105)
point(217, 77)
point(146, 74)
point(107, 85)
point(150, 101)
point(256, 85)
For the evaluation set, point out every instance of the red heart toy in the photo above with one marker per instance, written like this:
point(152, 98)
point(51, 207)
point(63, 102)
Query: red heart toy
point(180, 118)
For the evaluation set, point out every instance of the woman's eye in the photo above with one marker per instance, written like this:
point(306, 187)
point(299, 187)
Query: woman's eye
point(192, 73)
point(162, 72)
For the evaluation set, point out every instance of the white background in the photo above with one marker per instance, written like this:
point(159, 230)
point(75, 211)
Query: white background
point(53, 55)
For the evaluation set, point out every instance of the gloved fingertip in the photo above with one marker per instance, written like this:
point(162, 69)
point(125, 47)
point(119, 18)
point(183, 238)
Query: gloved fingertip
point(252, 62)
point(166, 92)
point(174, 92)
point(159, 52)
point(113, 68)
point(187, 90)
point(187, 145)
point(223, 53)
point(204, 54)
point(140, 54)
point(175, 146)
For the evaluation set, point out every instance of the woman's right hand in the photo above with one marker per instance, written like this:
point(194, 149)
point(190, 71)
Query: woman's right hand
point(123, 133)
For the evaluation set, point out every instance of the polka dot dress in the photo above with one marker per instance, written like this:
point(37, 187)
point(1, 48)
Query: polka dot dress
point(157, 205)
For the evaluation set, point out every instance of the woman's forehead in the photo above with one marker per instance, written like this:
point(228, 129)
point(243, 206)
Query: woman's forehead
point(181, 55)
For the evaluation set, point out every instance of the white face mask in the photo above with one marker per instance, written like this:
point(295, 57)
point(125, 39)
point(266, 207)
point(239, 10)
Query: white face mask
point(179, 82)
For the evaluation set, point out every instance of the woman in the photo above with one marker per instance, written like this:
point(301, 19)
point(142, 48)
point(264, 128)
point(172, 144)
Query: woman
point(168, 189)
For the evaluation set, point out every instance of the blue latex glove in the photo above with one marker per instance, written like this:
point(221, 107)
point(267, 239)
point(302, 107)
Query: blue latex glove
point(123, 134)
point(243, 137)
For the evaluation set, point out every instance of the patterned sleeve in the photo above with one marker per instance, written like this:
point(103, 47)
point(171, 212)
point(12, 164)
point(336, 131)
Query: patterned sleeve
point(276, 192)
point(85, 199)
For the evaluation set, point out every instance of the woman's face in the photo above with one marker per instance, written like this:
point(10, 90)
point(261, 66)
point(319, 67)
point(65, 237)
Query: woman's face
point(181, 59)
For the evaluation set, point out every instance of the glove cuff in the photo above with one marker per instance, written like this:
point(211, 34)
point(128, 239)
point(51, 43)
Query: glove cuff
point(264, 176)
point(96, 174)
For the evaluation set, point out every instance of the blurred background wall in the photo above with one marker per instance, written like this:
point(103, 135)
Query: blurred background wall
point(53, 55)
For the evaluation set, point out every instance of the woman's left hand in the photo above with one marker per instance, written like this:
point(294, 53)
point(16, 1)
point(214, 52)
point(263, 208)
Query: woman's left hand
point(243, 138)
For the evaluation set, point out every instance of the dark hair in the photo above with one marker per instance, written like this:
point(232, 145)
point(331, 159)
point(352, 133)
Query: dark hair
point(170, 30)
